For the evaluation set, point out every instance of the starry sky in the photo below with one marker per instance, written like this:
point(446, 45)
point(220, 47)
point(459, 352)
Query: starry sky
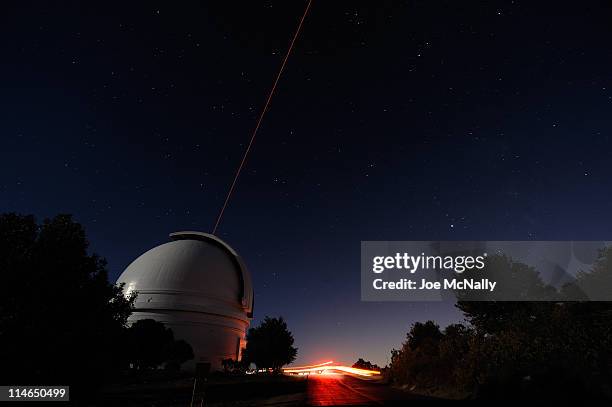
point(394, 120)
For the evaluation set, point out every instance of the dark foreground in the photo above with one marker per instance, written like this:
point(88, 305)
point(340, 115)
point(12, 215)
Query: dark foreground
point(218, 391)
point(342, 390)
point(314, 390)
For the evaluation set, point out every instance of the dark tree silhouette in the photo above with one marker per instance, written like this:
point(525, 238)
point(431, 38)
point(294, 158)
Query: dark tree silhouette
point(151, 344)
point(228, 365)
point(554, 351)
point(270, 345)
point(61, 321)
point(148, 342)
point(519, 282)
point(180, 352)
point(594, 284)
point(232, 366)
point(365, 364)
point(418, 362)
point(424, 334)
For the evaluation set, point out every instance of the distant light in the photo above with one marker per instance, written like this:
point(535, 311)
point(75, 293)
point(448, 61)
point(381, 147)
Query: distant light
point(329, 367)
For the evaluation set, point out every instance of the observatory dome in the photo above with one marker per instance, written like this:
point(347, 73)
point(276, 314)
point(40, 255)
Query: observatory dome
point(197, 285)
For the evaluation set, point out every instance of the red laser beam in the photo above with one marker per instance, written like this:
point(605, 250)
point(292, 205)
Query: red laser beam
point(261, 116)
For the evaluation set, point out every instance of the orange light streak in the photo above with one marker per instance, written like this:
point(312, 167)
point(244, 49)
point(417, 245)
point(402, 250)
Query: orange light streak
point(310, 366)
point(329, 367)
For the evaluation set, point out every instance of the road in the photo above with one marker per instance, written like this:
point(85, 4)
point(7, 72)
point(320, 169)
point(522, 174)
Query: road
point(343, 390)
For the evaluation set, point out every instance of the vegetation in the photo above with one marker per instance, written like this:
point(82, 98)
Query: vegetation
point(234, 367)
point(551, 350)
point(61, 320)
point(270, 345)
point(365, 364)
point(151, 345)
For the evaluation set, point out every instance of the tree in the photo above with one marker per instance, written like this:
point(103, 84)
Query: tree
point(232, 366)
point(562, 347)
point(594, 284)
point(180, 352)
point(270, 345)
point(151, 344)
point(424, 335)
point(365, 364)
point(520, 283)
point(528, 350)
point(228, 365)
point(417, 363)
point(61, 320)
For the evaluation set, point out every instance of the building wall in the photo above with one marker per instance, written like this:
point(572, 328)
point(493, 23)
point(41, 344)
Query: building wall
point(199, 287)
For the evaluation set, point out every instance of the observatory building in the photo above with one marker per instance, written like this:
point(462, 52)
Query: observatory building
point(197, 285)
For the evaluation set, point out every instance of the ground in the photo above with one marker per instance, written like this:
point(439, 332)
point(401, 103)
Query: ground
point(343, 390)
point(313, 390)
point(217, 391)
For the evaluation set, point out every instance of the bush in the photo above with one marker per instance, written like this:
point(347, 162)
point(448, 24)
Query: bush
point(515, 350)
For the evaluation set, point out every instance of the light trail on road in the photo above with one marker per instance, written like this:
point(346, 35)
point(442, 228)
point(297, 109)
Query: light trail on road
point(331, 390)
point(330, 367)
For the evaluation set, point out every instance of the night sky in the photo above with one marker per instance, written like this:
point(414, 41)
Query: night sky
point(414, 120)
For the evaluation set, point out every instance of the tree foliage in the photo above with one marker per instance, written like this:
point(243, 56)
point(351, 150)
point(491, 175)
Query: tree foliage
point(270, 345)
point(61, 321)
point(233, 366)
point(151, 344)
point(180, 352)
point(547, 350)
point(365, 364)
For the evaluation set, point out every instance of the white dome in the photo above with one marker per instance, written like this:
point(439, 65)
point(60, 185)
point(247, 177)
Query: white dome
point(197, 285)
